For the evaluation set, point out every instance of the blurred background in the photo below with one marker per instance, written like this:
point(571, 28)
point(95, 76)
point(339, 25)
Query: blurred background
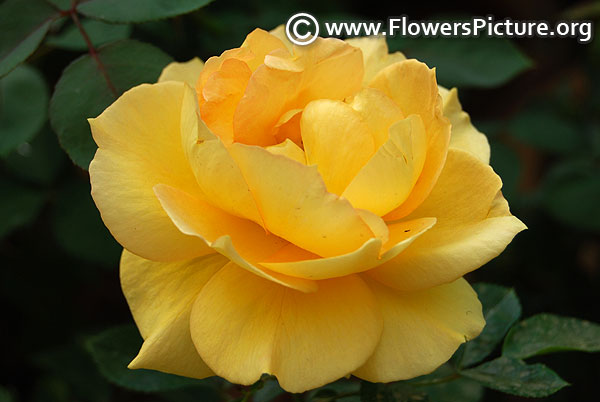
point(536, 99)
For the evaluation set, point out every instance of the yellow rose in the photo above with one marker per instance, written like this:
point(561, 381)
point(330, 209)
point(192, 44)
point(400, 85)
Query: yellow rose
point(307, 212)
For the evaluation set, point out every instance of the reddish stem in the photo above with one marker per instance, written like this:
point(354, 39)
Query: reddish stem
point(92, 50)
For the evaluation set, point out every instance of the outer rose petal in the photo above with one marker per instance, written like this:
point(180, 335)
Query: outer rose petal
point(240, 240)
point(464, 135)
point(375, 55)
point(244, 326)
point(296, 206)
point(187, 72)
point(412, 85)
point(160, 296)
point(421, 330)
point(139, 140)
point(474, 226)
point(290, 149)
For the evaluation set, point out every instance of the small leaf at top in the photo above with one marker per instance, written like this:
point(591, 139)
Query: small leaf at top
point(547, 333)
point(99, 32)
point(466, 62)
point(86, 87)
point(137, 10)
point(23, 25)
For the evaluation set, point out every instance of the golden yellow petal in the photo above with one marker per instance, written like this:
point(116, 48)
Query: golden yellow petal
point(187, 71)
point(139, 140)
point(375, 55)
point(474, 225)
point(244, 326)
point(160, 296)
point(421, 330)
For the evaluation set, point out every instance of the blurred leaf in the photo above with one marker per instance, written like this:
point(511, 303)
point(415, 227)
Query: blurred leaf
point(547, 333)
point(78, 227)
point(507, 164)
point(98, 31)
point(73, 365)
point(38, 161)
point(547, 130)
point(459, 390)
point(391, 392)
point(515, 377)
point(571, 192)
point(114, 349)
point(50, 389)
point(23, 24)
point(501, 309)
point(137, 10)
point(23, 105)
point(474, 62)
point(83, 91)
point(5, 395)
point(19, 205)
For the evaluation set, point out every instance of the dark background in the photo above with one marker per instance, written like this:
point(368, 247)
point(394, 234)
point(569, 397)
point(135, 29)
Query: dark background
point(59, 278)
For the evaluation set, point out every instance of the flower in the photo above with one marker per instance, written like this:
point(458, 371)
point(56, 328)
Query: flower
point(307, 212)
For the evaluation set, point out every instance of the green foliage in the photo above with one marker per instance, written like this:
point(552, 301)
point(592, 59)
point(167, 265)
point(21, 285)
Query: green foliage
point(23, 24)
point(548, 333)
point(475, 62)
point(99, 33)
point(515, 377)
point(395, 392)
point(571, 192)
point(112, 351)
point(137, 10)
point(23, 107)
point(501, 309)
point(78, 228)
point(19, 205)
point(86, 87)
point(547, 130)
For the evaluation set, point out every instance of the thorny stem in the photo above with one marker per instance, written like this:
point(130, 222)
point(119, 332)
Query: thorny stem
point(72, 12)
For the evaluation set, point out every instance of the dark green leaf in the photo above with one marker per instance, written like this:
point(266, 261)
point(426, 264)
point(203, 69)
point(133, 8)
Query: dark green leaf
point(23, 105)
point(507, 164)
point(83, 91)
point(475, 62)
point(392, 392)
point(38, 161)
point(547, 333)
point(112, 351)
point(78, 227)
point(501, 309)
point(137, 10)
point(19, 205)
point(343, 390)
point(23, 25)
point(547, 130)
point(98, 31)
point(571, 193)
point(269, 391)
point(515, 377)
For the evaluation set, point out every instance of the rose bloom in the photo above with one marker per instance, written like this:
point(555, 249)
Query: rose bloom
point(306, 212)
